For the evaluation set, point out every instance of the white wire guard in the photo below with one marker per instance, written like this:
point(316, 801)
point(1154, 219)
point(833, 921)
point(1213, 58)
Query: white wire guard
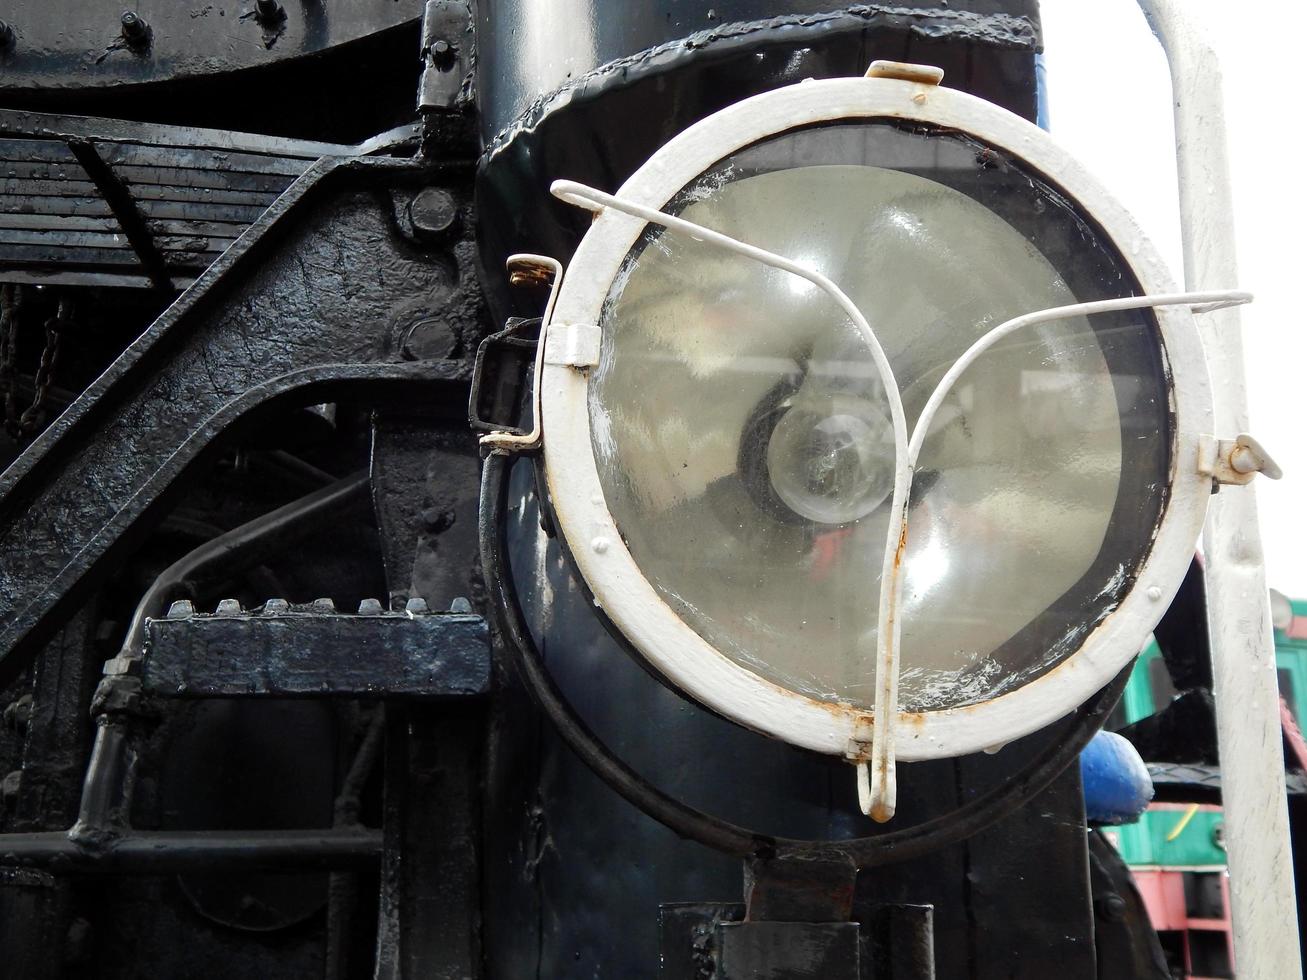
point(877, 783)
point(878, 799)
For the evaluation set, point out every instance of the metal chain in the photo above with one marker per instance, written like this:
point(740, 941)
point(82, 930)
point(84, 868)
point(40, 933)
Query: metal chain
point(30, 421)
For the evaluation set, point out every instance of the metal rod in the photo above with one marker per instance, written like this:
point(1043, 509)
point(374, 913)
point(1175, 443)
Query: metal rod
point(973, 816)
point(168, 851)
point(877, 783)
point(118, 197)
point(342, 886)
point(107, 788)
point(101, 840)
point(1262, 897)
point(877, 788)
point(244, 545)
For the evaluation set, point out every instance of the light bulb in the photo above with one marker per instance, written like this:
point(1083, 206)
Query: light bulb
point(831, 456)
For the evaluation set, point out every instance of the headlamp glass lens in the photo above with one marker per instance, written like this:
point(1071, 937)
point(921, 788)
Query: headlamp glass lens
point(743, 438)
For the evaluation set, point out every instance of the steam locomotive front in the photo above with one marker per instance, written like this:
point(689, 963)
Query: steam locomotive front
point(836, 442)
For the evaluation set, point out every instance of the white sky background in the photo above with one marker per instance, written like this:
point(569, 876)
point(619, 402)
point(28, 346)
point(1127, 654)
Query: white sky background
point(1110, 104)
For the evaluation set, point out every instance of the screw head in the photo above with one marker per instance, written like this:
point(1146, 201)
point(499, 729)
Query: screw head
point(1110, 907)
point(443, 54)
point(135, 29)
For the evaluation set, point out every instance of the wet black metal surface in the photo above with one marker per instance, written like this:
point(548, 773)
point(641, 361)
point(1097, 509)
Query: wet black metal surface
point(902, 942)
point(532, 58)
point(557, 95)
point(86, 44)
point(310, 651)
point(165, 852)
point(548, 814)
point(1124, 938)
point(687, 937)
point(788, 951)
point(286, 314)
point(429, 925)
point(114, 203)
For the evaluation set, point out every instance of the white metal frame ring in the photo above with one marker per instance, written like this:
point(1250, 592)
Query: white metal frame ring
point(675, 649)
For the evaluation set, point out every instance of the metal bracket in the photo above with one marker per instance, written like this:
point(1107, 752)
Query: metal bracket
point(527, 269)
point(1235, 461)
point(921, 74)
point(446, 50)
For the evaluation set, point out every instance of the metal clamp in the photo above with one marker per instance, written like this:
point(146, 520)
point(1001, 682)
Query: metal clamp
point(524, 270)
point(1235, 462)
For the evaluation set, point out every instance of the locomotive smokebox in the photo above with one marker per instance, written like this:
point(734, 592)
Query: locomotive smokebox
point(589, 90)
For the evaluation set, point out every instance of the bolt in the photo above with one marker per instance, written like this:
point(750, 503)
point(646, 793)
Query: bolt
point(443, 54)
point(1111, 907)
point(135, 30)
point(430, 339)
point(268, 12)
point(434, 214)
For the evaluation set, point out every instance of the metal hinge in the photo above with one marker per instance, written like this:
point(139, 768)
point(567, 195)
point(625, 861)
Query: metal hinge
point(573, 345)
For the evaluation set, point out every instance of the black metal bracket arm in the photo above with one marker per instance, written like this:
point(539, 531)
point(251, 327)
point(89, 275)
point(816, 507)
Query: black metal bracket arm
point(288, 313)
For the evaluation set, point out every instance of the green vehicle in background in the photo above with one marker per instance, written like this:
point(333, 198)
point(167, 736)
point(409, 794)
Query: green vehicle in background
point(1176, 851)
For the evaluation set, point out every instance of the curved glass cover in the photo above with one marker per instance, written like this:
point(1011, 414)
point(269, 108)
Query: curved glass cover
point(743, 439)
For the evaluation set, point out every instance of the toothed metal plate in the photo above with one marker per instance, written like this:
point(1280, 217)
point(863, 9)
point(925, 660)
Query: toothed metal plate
point(307, 651)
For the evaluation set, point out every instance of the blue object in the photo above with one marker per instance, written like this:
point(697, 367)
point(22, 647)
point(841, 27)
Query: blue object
point(1116, 781)
point(1041, 94)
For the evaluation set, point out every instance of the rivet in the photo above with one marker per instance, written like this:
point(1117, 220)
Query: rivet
point(135, 30)
point(600, 545)
point(1154, 593)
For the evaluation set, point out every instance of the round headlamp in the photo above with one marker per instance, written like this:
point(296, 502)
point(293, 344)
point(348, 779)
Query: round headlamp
point(730, 368)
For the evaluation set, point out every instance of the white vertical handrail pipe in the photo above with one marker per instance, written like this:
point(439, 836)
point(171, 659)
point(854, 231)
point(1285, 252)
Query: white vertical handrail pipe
point(1238, 606)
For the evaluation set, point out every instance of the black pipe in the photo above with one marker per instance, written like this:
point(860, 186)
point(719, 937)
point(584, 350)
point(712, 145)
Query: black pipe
point(245, 544)
point(110, 774)
point(169, 852)
point(101, 840)
point(107, 787)
point(711, 831)
point(342, 886)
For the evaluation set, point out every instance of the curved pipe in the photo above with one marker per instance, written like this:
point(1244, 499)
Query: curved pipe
point(243, 545)
point(711, 831)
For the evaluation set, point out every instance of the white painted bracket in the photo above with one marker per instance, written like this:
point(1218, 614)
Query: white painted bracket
point(921, 74)
point(1235, 462)
point(573, 345)
point(525, 268)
